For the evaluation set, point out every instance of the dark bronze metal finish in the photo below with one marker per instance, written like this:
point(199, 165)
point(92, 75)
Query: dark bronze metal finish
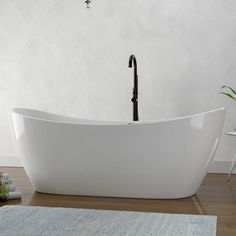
point(132, 60)
point(88, 2)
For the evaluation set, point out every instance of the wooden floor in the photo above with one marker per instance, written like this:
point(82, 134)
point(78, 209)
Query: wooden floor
point(215, 197)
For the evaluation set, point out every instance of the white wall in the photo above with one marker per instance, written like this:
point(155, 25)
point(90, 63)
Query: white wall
point(57, 56)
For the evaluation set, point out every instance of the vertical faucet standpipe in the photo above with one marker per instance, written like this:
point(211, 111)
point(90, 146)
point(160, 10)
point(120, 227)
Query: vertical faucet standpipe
point(132, 60)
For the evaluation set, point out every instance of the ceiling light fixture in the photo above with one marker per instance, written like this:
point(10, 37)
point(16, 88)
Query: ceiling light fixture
point(88, 3)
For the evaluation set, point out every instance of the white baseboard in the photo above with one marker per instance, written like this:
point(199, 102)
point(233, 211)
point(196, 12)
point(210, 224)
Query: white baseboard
point(215, 167)
point(218, 166)
point(10, 160)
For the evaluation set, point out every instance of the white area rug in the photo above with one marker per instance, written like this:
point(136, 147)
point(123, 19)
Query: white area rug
point(47, 221)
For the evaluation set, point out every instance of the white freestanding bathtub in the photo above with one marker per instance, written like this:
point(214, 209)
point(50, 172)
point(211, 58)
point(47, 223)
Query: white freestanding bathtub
point(155, 159)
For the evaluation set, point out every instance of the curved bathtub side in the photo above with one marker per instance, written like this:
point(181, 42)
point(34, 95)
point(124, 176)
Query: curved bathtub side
point(157, 160)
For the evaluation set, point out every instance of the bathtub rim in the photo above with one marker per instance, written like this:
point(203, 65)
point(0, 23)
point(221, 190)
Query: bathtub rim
point(20, 111)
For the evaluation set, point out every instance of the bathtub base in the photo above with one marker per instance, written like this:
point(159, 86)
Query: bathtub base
point(108, 196)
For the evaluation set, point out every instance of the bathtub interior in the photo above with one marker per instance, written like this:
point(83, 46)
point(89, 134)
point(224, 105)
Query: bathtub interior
point(46, 116)
point(41, 115)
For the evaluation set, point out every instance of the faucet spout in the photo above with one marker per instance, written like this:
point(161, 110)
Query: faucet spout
point(133, 62)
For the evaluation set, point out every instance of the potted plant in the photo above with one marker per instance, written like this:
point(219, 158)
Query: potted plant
point(231, 93)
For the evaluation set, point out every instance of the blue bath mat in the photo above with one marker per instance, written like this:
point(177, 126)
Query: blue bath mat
point(47, 221)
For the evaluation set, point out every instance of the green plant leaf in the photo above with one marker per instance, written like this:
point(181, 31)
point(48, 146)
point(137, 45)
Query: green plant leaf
point(232, 90)
point(229, 95)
